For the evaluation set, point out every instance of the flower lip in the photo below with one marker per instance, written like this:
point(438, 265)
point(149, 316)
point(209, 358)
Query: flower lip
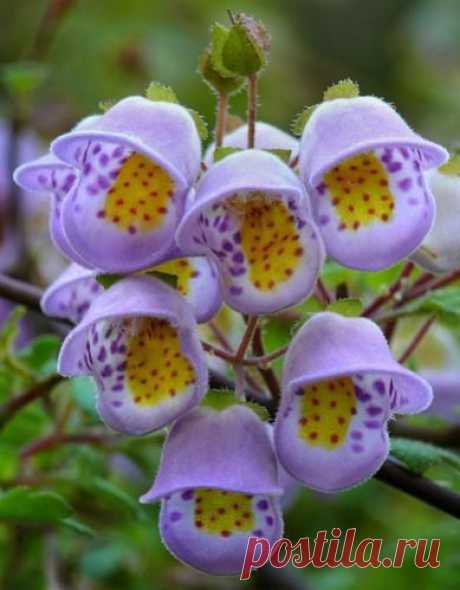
point(114, 304)
point(364, 133)
point(281, 181)
point(72, 275)
point(69, 141)
point(26, 175)
point(400, 374)
point(214, 464)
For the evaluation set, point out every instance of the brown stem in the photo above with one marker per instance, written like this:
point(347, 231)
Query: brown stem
point(426, 490)
point(252, 109)
point(424, 288)
point(251, 361)
point(52, 18)
point(57, 439)
point(443, 437)
point(12, 406)
point(221, 120)
point(322, 293)
point(392, 290)
point(417, 339)
point(246, 340)
point(267, 373)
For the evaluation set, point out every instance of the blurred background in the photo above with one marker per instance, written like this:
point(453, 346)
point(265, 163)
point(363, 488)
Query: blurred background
point(87, 51)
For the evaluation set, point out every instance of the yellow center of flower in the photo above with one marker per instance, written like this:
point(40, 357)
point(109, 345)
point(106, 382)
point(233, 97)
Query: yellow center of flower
point(139, 198)
point(222, 513)
point(360, 192)
point(269, 239)
point(326, 411)
point(183, 269)
point(156, 368)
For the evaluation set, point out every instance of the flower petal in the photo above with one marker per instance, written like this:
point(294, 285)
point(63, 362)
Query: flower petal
point(209, 528)
point(71, 294)
point(250, 217)
point(374, 208)
point(138, 341)
point(138, 162)
point(331, 434)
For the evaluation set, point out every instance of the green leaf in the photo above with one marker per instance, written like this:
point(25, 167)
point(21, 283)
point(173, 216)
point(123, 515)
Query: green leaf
point(160, 93)
point(24, 505)
point(107, 104)
point(103, 560)
point(246, 47)
point(40, 356)
point(219, 35)
point(200, 123)
point(444, 302)
point(83, 391)
point(452, 167)
point(222, 85)
point(79, 527)
point(165, 277)
point(349, 307)
point(299, 122)
point(107, 280)
point(222, 152)
point(420, 457)
point(9, 331)
point(221, 399)
point(342, 89)
point(282, 154)
point(117, 496)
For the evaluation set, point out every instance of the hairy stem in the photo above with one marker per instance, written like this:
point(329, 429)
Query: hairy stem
point(418, 337)
point(252, 109)
point(221, 120)
point(391, 292)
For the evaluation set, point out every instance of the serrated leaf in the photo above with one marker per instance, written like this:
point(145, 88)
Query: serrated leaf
point(221, 399)
point(106, 104)
point(200, 123)
point(342, 89)
point(452, 166)
point(349, 307)
point(222, 152)
point(160, 93)
point(219, 35)
point(282, 154)
point(299, 122)
point(24, 505)
point(222, 85)
point(240, 54)
point(420, 457)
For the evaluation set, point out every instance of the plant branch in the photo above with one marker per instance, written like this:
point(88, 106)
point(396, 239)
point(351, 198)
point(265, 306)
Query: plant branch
point(221, 120)
point(246, 340)
point(426, 490)
point(267, 373)
point(441, 437)
point(52, 441)
point(322, 293)
point(391, 292)
point(416, 340)
point(10, 408)
point(252, 109)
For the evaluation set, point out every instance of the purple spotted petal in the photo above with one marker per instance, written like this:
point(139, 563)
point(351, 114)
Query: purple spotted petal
point(340, 386)
point(138, 340)
point(363, 167)
point(250, 216)
point(71, 294)
point(218, 485)
point(440, 250)
point(137, 164)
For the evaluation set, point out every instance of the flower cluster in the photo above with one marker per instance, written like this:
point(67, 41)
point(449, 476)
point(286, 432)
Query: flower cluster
point(159, 242)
